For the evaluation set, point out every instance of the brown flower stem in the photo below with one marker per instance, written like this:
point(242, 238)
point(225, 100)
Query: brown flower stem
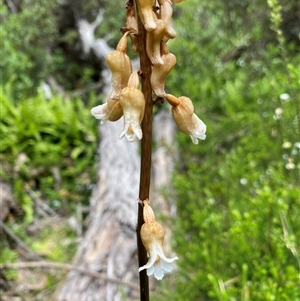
point(146, 149)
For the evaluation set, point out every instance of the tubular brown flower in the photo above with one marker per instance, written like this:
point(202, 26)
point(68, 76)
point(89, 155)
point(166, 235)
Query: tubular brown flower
point(153, 41)
point(152, 235)
point(160, 72)
point(131, 24)
point(132, 102)
point(120, 66)
point(147, 14)
point(111, 110)
point(187, 121)
point(166, 12)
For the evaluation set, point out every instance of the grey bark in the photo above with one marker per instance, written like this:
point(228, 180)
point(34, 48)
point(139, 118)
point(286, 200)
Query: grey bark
point(109, 246)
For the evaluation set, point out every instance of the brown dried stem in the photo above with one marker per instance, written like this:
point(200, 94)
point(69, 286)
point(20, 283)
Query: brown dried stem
point(146, 149)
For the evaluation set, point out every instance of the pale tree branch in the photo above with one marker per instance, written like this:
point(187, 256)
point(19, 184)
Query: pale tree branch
point(18, 241)
point(12, 6)
point(87, 35)
point(64, 266)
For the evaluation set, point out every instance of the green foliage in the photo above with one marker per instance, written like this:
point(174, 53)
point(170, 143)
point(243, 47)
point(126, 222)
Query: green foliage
point(40, 41)
point(238, 191)
point(26, 37)
point(47, 145)
point(8, 256)
point(49, 243)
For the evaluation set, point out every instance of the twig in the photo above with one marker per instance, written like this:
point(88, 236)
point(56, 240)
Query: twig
point(19, 242)
point(287, 233)
point(12, 6)
point(85, 90)
point(64, 266)
point(231, 281)
point(45, 209)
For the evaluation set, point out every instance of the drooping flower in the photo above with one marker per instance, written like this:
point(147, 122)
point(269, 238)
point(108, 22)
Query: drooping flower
point(153, 41)
point(111, 110)
point(152, 235)
point(159, 72)
point(166, 12)
point(120, 66)
point(187, 121)
point(132, 101)
point(131, 24)
point(147, 14)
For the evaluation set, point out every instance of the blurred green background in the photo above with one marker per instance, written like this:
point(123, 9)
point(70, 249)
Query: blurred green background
point(237, 228)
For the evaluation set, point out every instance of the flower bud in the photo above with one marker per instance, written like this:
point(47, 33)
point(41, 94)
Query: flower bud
point(120, 66)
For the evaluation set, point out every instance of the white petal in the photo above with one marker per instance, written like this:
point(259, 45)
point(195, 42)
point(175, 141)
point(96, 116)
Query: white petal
point(122, 135)
point(151, 270)
point(138, 131)
point(194, 139)
point(100, 112)
point(162, 255)
point(130, 137)
point(150, 263)
point(200, 125)
point(199, 135)
point(199, 128)
point(166, 266)
point(124, 132)
point(158, 272)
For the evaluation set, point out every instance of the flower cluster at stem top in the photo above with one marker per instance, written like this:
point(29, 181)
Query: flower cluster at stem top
point(126, 99)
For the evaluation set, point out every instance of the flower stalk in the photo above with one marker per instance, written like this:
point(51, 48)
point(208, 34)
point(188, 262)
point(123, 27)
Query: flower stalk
point(146, 150)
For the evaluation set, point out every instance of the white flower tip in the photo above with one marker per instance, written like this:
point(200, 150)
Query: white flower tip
point(122, 135)
point(197, 129)
point(202, 136)
point(99, 112)
point(159, 276)
point(131, 137)
point(95, 111)
point(158, 269)
point(194, 139)
point(138, 133)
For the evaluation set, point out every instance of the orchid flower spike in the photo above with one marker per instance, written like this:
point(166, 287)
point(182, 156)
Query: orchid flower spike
point(152, 235)
point(187, 121)
point(132, 102)
point(120, 66)
point(111, 110)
